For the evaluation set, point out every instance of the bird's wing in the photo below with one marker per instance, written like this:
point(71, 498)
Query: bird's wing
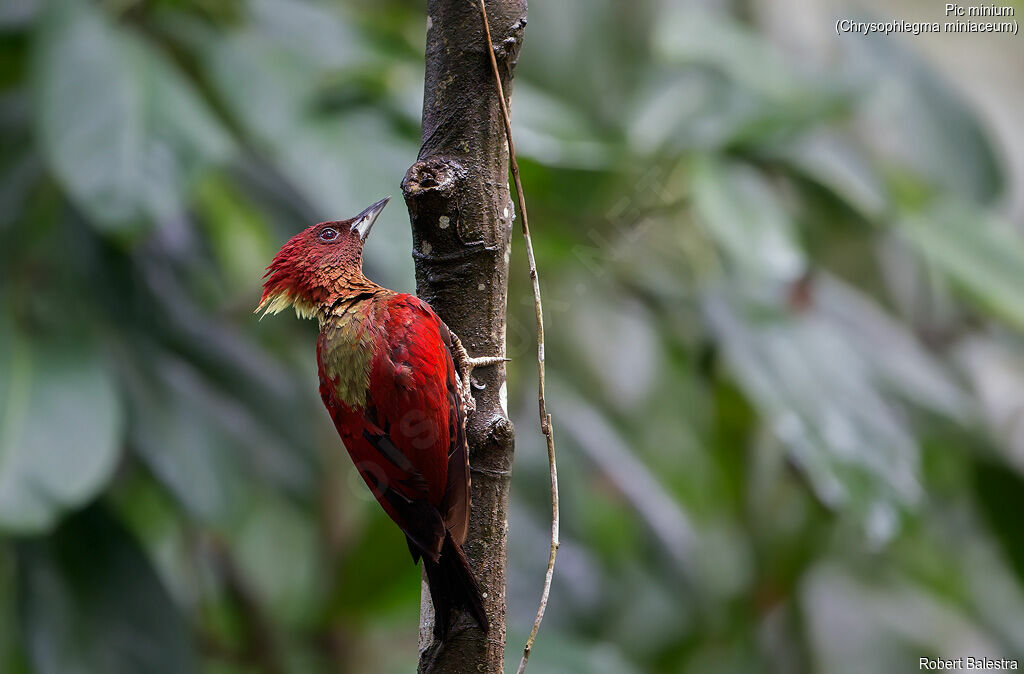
point(455, 506)
point(409, 429)
point(416, 389)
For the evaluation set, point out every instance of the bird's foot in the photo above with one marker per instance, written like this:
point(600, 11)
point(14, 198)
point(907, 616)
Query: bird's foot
point(465, 365)
point(484, 361)
point(466, 387)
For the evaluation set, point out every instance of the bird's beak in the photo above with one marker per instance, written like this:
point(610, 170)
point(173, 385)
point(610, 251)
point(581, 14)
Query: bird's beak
point(364, 221)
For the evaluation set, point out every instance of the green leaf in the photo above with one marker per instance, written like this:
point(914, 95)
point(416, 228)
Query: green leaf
point(127, 154)
point(90, 603)
point(237, 231)
point(994, 369)
point(911, 116)
point(884, 623)
point(60, 428)
point(561, 654)
point(269, 90)
point(554, 133)
point(824, 403)
point(318, 33)
point(742, 213)
point(1000, 493)
point(269, 87)
point(898, 360)
point(833, 161)
point(277, 549)
point(175, 431)
point(982, 257)
point(17, 15)
point(685, 34)
point(12, 648)
point(380, 559)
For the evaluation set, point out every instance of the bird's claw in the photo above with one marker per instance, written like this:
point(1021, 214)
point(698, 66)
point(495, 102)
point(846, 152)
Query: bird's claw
point(465, 365)
point(484, 361)
point(466, 383)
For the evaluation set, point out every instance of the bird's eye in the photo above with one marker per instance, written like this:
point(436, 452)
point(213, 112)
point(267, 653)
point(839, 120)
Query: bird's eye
point(328, 234)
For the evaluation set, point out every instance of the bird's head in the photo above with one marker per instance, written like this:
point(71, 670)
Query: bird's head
point(318, 265)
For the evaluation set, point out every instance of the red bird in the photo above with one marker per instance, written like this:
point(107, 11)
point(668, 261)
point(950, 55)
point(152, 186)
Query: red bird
point(389, 380)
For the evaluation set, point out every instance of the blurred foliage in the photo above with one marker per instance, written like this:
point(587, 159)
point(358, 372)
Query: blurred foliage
point(784, 344)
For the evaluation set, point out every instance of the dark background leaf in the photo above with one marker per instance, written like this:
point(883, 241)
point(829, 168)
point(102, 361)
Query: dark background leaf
point(90, 602)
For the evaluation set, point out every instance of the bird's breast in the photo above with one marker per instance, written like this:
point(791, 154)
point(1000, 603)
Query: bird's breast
point(346, 354)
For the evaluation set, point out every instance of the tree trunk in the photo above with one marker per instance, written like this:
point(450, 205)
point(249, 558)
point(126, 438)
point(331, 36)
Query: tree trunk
point(458, 198)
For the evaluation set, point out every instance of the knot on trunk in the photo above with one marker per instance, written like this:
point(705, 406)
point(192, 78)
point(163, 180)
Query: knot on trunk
point(501, 432)
point(433, 179)
point(433, 188)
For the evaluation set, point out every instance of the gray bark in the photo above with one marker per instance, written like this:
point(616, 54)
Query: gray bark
point(458, 198)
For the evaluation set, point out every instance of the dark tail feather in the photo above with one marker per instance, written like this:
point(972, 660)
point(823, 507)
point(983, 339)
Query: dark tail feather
point(452, 585)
